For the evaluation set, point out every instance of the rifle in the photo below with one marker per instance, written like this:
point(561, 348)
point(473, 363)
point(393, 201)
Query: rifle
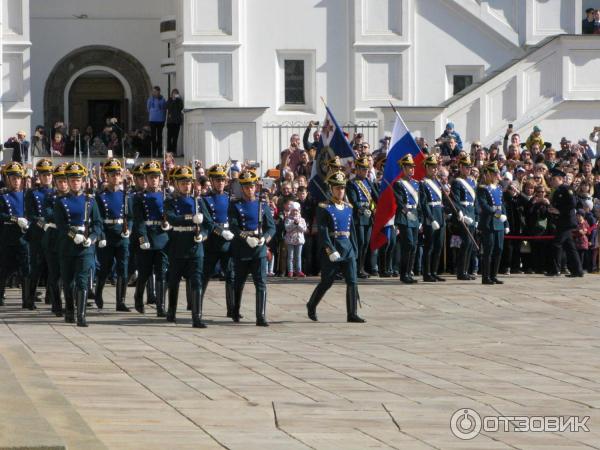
point(197, 235)
point(125, 201)
point(86, 210)
point(165, 223)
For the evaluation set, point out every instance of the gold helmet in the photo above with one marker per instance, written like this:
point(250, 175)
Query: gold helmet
point(248, 177)
point(44, 166)
point(337, 178)
point(112, 165)
point(152, 168)
point(75, 169)
point(183, 173)
point(13, 168)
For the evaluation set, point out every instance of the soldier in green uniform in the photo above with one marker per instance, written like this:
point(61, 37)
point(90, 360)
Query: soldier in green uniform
point(362, 195)
point(408, 217)
point(152, 227)
point(492, 223)
point(113, 245)
point(34, 211)
point(251, 221)
point(78, 224)
point(14, 249)
point(51, 239)
point(339, 249)
point(190, 225)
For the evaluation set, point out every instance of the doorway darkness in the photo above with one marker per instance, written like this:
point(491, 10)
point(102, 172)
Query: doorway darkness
point(100, 110)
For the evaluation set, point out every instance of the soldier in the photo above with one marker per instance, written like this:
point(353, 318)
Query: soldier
point(34, 211)
point(339, 249)
point(563, 210)
point(113, 246)
point(78, 225)
point(14, 249)
point(51, 239)
point(492, 223)
point(191, 224)
point(463, 192)
point(251, 221)
point(408, 217)
point(434, 227)
point(362, 195)
point(218, 243)
point(151, 226)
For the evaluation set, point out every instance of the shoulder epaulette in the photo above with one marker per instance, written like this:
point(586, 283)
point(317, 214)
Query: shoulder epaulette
point(323, 204)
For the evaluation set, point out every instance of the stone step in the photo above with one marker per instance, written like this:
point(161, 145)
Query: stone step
point(62, 422)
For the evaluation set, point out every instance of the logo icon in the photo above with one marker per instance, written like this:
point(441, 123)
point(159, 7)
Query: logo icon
point(465, 423)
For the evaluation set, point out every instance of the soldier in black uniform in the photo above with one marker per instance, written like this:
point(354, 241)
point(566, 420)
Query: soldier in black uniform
point(251, 221)
point(338, 248)
point(563, 209)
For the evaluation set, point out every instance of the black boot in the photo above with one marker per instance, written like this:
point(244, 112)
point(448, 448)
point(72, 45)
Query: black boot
point(161, 291)
point(28, 300)
point(172, 312)
point(196, 301)
point(314, 301)
point(91, 290)
point(99, 290)
point(2, 290)
point(81, 298)
point(57, 307)
point(485, 271)
point(69, 306)
point(261, 308)
point(352, 305)
point(229, 295)
point(237, 304)
point(138, 296)
point(495, 267)
point(121, 293)
point(151, 290)
point(188, 294)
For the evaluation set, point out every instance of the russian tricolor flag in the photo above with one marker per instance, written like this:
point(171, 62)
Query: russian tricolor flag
point(402, 143)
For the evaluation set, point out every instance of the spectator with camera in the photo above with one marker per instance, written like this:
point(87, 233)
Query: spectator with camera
point(20, 147)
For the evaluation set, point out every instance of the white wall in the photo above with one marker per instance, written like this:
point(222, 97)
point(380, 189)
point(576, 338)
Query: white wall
point(131, 26)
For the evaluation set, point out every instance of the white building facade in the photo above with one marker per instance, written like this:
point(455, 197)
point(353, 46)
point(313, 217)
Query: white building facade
point(244, 67)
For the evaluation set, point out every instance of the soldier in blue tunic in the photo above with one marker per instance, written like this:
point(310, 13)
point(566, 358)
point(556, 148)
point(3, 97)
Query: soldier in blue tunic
point(464, 194)
point(408, 217)
point(362, 195)
point(34, 211)
point(78, 224)
point(190, 225)
point(251, 221)
point(434, 226)
point(51, 238)
point(339, 249)
point(492, 223)
point(217, 246)
point(152, 227)
point(14, 250)
point(113, 245)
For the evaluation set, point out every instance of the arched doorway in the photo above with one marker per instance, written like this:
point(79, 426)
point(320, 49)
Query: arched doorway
point(94, 96)
point(85, 64)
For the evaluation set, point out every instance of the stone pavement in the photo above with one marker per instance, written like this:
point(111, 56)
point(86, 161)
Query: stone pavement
point(128, 381)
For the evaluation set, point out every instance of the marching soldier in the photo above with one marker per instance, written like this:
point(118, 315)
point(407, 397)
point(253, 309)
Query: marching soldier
point(190, 226)
point(563, 210)
point(336, 233)
point(434, 227)
point(113, 246)
point(34, 207)
point(463, 192)
point(492, 223)
point(151, 226)
point(363, 196)
point(218, 243)
point(78, 224)
point(251, 221)
point(408, 217)
point(51, 240)
point(14, 249)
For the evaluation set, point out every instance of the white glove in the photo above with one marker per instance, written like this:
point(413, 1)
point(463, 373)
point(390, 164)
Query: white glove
point(506, 230)
point(145, 246)
point(102, 243)
point(503, 218)
point(411, 216)
point(126, 234)
point(333, 257)
point(46, 226)
point(198, 238)
point(435, 225)
point(78, 238)
point(461, 216)
point(227, 235)
point(468, 220)
point(166, 226)
point(197, 218)
point(23, 223)
point(261, 241)
point(87, 242)
point(252, 241)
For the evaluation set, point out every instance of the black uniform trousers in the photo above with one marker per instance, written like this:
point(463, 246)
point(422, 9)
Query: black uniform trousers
point(110, 253)
point(255, 266)
point(564, 241)
point(463, 259)
point(492, 243)
point(432, 249)
point(188, 268)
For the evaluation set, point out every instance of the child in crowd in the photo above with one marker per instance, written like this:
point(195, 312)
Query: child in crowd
point(295, 226)
point(581, 235)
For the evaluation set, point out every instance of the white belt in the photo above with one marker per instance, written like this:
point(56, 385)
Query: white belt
point(223, 225)
point(434, 203)
point(153, 222)
point(51, 225)
point(467, 203)
point(183, 229)
point(411, 207)
point(340, 233)
point(498, 208)
point(113, 221)
point(77, 228)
